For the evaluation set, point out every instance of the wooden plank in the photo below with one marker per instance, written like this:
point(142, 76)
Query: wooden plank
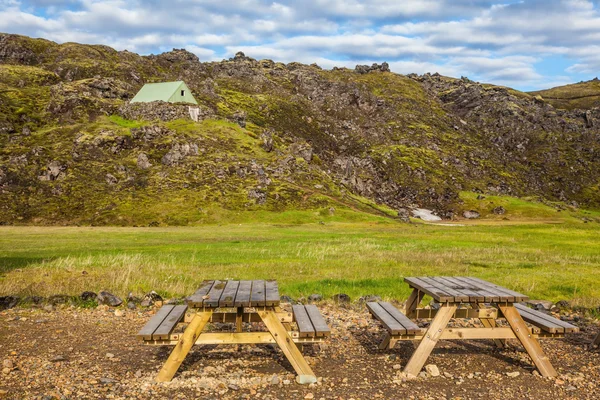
point(544, 319)
point(228, 297)
point(484, 312)
point(146, 332)
point(305, 326)
point(289, 348)
point(317, 320)
point(430, 339)
point(389, 322)
point(437, 294)
point(413, 301)
point(242, 299)
point(489, 322)
point(503, 295)
point(440, 284)
point(272, 297)
point(531, 345)
point(507, 293)
point(410, 327)
point(257, 297)
point(476, 294)
point(196, 299)
point(214, 295)
point(461, 288)
point(183, 346)
point(169, 323)
point(490, 296)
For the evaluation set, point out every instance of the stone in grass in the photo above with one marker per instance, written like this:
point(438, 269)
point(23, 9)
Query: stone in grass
point(369, 298)
point(341, 298)
point(109, 299)
point(432, 370)
point(131, 305)
point(315, 297)
point(151, 298)
point(287, 299)
point(88, 296)
point(58, 299)
point(472, 214)
point(7, 302)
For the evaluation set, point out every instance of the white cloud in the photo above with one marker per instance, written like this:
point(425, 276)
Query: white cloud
point(501, 41)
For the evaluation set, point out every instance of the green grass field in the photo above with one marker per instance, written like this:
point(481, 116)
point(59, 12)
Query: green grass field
point(546, 261)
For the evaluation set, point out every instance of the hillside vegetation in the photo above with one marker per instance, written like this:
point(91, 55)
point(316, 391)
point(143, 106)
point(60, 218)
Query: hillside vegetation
point(582, 95)
point(273, 137)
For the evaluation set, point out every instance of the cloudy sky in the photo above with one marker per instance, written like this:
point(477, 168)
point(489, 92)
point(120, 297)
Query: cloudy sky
point(526, 44)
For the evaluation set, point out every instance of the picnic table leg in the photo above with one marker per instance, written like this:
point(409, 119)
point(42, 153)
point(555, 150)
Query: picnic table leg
point(183, 346)
point(531, 345)
point(238, 319)
point(287, 345)
point(430, 339)
point(489, 323)
point(413, 302)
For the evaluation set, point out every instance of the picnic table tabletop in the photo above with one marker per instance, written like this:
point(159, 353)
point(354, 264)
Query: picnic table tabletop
point(458, 289)
point(223, 294)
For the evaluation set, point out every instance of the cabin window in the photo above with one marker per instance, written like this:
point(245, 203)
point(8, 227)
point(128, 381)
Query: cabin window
point(182, 93)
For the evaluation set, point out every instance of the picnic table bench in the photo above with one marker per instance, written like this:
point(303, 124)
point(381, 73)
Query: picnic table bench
point(466, 297)
point(236, 302)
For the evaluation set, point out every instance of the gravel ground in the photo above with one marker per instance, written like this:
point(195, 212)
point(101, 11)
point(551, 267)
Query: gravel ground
point(73, 353)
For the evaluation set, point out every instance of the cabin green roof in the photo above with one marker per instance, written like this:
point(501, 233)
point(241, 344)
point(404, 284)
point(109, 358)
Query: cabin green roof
point(170, 92)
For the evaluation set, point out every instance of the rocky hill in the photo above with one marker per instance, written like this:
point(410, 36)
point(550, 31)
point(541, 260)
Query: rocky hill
point(582, 95)
point(272, 137)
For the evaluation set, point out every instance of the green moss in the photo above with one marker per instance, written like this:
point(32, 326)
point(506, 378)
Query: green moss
point(125, 123)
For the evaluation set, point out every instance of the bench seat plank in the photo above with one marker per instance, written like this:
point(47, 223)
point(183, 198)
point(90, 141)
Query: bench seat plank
point(146, 332)
point(410, 326)
point(168, 324)
point(305, 326)
point(544, 321)
point(317, 320)
point(389, 322)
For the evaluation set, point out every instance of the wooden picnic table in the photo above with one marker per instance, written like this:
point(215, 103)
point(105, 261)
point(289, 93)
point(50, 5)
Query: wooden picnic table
point(236, 302)
point(467, 297)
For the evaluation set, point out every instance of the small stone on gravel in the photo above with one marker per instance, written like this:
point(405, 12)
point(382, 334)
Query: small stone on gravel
point(513, 374)
point(432, 370)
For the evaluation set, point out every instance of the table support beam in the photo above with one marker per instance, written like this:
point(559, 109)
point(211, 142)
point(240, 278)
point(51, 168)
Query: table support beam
point(287, 345)
point(530, 344)
point(183, 347)
point(413, 302)
point(433, 334)
point(489, 323)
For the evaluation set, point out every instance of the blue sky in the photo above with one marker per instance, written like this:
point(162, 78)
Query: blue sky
point(529, 44)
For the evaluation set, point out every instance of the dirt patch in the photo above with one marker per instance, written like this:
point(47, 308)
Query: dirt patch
point(77, 353)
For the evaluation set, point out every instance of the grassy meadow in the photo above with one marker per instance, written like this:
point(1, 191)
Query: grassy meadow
point(552, 261)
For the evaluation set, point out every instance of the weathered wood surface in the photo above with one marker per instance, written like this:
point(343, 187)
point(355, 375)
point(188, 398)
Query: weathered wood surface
point(222, 294)
point(168, 325)
point(544, 321)
point(305, 327)
point(393, 320)
point(146, 332)
point(448, 289)
point(317, 320)
point(530, 344)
